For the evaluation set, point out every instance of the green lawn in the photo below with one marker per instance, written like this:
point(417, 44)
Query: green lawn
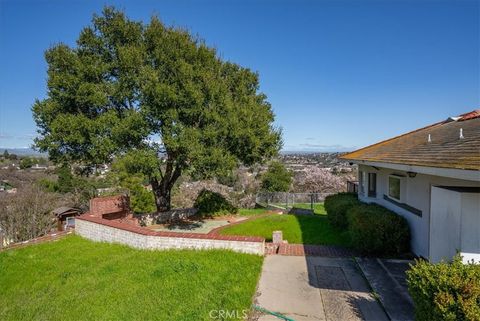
point(75, 279)
point(251, 211)
point(296, 229)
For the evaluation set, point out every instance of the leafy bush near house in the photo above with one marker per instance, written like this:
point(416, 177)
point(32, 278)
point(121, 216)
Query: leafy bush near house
point(337, 206)
point(210, 203)
point(377, 230)
point(445, 291)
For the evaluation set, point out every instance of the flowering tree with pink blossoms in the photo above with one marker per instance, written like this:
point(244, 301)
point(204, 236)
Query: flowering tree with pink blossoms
point(318, 180)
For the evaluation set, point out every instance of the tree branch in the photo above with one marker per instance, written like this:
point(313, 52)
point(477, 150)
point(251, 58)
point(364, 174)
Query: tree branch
point(176, 175)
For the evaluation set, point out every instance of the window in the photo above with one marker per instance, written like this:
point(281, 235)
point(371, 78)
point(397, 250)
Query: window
point(372, 184)
point(70, 222)
point(394, 187)
point(361, 181)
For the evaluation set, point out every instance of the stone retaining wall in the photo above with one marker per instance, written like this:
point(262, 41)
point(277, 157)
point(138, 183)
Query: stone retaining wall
point(98, 229)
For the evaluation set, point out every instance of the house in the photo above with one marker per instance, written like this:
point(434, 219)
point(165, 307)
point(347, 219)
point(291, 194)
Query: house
point(65, 217)
point(430, 176)
point(39, 167)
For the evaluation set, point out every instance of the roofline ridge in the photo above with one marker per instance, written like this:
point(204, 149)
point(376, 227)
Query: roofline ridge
point(390, 139)
point(470, 115)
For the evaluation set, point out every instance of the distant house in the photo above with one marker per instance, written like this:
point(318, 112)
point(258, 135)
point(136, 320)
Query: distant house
point(39, 167)
point(65, 217)
point(430, 176)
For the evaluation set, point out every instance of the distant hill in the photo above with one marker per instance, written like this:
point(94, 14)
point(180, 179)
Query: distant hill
point(23, 152)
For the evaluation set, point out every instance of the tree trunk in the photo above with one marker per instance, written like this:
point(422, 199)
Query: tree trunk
point(163, 199)
point(162, 190)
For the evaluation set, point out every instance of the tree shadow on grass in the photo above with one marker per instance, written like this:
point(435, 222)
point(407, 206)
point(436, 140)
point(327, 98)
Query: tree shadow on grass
point(317, 230)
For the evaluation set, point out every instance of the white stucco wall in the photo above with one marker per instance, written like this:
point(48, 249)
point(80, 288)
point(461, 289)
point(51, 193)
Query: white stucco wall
point(416, 193)
point(454, 224)
point(445, 224)
point(470, 227)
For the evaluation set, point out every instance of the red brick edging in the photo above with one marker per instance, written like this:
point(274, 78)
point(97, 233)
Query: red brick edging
point(307, 250)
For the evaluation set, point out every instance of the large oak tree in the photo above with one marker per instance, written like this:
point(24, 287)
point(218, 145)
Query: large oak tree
point(157, 99)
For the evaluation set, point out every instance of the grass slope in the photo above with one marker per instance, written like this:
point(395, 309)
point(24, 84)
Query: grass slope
point(75, 279)
point(302, 229)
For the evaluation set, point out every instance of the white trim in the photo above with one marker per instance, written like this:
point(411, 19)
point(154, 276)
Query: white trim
point(469, 175)
point(361, 182)
point(367, 193)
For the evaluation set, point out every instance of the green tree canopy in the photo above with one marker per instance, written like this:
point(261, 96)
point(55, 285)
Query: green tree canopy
point(277, 178)
point(27, 162)
point(141, 200)
point(156, 97)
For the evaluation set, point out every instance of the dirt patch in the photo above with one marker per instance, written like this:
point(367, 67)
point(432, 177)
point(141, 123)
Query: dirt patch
point(197, 224)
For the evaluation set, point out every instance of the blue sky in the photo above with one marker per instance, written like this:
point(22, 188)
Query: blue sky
point(339, 74)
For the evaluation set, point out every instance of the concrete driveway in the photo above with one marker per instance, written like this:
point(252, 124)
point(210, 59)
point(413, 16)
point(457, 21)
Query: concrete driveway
point(315, 288)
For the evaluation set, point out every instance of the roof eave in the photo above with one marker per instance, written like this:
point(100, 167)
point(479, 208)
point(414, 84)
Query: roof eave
point(451, 172)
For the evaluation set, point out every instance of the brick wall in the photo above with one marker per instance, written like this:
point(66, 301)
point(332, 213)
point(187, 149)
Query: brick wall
point(111, 206)
point(98, 229)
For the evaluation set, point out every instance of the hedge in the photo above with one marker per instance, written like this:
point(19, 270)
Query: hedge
point(445, 291)
point(337, 206)
point(210, 203)
point(376, 230)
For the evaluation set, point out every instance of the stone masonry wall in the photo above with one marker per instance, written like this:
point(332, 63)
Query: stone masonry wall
point(97, 229)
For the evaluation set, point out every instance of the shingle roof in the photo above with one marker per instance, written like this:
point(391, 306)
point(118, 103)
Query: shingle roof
point(445, 150)
point(63, 209)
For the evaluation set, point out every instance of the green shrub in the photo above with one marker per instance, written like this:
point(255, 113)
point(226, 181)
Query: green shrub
point(445, 291)
point(277, 178)
point(377, 230)
point(337, 206)
point(210, 203)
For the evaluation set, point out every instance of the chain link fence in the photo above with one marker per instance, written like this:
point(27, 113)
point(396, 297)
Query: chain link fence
point(287, 201)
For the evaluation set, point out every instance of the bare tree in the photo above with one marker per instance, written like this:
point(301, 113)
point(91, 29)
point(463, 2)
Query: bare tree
point(188, 192)
point(20, 178)
point(28, 213)
point(242, 194)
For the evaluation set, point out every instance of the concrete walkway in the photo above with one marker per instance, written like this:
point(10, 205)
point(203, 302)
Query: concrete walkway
point(387, 278)
point(315, 288)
